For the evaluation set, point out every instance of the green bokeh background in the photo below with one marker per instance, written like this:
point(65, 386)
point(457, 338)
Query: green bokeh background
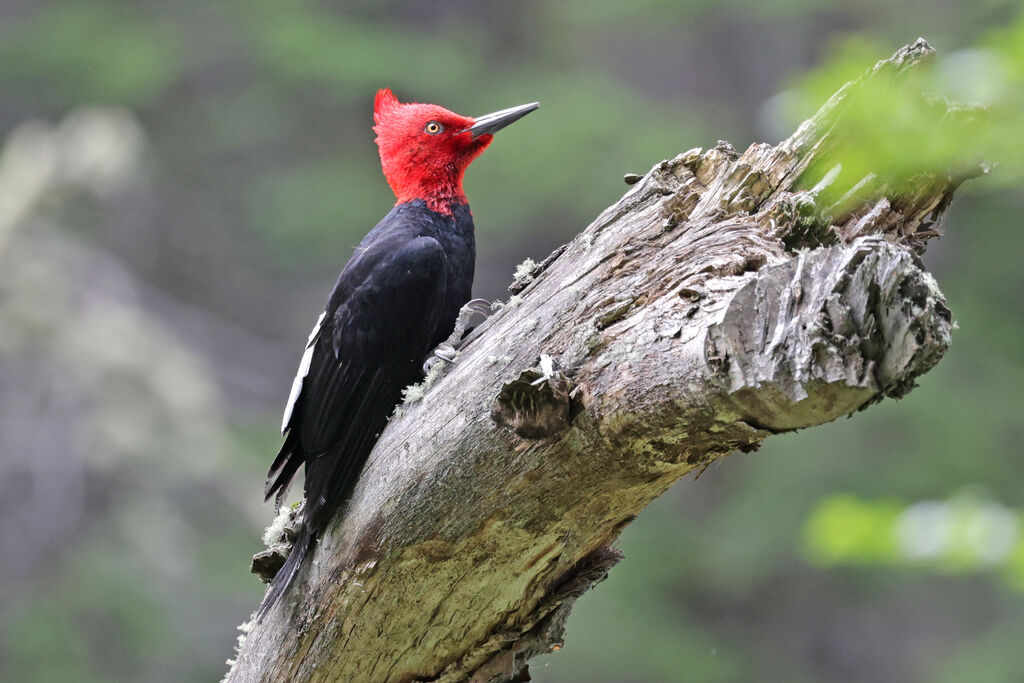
point(150, 322)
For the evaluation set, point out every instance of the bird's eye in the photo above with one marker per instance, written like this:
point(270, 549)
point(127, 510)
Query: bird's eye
point(433, 128)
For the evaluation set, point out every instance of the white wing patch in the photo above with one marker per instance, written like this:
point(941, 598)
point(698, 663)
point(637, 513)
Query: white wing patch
point(307, 358)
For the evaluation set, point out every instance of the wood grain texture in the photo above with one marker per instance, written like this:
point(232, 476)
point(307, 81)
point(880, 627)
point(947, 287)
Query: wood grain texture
point(715, 304)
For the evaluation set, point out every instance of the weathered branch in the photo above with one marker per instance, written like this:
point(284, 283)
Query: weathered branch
point(719, 302)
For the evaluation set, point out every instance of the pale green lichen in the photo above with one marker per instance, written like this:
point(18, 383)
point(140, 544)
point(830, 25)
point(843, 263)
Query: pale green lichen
point(273, 534)
point(415, 392)
point(246, 628)
point(524, 271)
point(493, 360)
point(514, 301)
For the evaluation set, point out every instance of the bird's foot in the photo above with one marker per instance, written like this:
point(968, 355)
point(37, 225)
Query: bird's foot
point(436, 356)
point(445, 352)
point(448, 350)
point(472, 307)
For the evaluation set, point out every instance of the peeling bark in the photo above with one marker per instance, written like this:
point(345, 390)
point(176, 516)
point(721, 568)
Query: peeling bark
point(717, 303)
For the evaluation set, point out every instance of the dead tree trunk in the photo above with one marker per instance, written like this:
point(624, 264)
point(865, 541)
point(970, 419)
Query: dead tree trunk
point(720, 301)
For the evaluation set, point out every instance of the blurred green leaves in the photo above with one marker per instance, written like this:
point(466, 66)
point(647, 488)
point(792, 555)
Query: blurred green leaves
point(897, 129)
point(92, 51)
point(966, 533)
point(844, 529)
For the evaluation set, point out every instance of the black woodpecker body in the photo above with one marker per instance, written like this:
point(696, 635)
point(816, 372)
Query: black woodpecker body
point(396, 299)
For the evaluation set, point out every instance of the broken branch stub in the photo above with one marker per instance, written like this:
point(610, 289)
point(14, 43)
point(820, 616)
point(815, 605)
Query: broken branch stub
point(724, 298)
point(826, 333)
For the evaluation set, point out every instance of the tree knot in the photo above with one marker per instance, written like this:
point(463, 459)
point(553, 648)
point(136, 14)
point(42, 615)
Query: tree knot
point(539, 403)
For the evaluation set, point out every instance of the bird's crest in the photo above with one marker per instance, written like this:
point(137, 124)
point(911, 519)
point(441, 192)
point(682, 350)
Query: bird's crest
point(383, 104)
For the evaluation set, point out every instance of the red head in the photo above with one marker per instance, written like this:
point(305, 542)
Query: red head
point(425, 149)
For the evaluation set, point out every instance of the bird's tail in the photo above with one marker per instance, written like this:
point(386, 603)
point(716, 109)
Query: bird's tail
point(286, 464)
point(304, 542)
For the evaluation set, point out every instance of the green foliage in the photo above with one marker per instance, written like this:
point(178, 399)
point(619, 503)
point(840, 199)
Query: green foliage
point(967, 533)
point(90, 51)
point(893, 134)
point(845, 529)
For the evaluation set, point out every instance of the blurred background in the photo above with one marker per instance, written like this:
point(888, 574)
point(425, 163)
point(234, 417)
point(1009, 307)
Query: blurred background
point(180, 184)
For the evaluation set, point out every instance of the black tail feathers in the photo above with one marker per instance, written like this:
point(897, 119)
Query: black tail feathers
point(304, 542)
point(286, 464)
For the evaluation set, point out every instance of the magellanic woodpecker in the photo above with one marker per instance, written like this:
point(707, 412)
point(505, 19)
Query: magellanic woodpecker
point(396, 299)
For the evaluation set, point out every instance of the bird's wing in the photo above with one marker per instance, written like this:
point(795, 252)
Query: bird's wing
point(290, 457)
point(366, 350)
point(300, 375)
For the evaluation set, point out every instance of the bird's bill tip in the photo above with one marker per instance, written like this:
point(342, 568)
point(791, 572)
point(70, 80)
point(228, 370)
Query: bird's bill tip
point(495, 121)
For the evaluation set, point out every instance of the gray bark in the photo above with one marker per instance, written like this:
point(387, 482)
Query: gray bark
point(718, 302)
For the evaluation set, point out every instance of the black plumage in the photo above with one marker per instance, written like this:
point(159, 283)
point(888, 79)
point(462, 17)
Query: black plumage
point(396, 299)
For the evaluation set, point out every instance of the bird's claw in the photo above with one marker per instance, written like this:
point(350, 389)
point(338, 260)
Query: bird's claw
point(466, 313)
point(444, 352)
point(480, 306)
point(448, 350)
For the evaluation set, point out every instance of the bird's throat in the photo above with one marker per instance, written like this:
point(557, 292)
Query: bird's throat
point(440, 193)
